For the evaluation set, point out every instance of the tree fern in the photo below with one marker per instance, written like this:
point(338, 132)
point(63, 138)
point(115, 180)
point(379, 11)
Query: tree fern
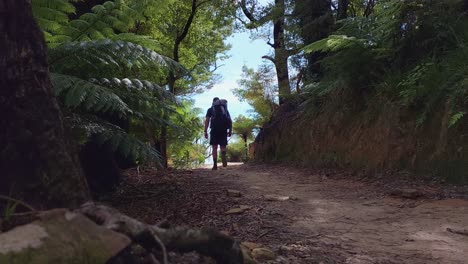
point(52, 15)
point(76, 92)
point(125, 98)
point(335, 43)
point(91, 127)
point(104, 21)
point(97, 66)
point(108, 58)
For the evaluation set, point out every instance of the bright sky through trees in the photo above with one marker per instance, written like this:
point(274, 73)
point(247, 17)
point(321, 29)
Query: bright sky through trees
point(244, 51)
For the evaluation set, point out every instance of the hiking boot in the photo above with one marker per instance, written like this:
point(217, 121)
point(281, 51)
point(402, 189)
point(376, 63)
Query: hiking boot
point(223, 158)
point(215, 165)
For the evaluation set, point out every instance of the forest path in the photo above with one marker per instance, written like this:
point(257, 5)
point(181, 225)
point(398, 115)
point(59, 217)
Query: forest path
point(348, 220)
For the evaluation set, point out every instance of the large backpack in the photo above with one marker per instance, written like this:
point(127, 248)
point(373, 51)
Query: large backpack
point(220, 118)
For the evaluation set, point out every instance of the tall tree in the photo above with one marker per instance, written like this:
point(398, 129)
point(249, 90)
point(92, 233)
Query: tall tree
point(315, 21)
point(276, 15)
point(36, 161)
point(185, 31)
point(243, 127)
point(259, 90)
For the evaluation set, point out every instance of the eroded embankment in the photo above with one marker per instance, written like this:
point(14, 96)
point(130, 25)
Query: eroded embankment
point(381, 136)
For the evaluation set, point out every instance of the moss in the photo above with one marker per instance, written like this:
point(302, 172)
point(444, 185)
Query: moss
point(75, 241)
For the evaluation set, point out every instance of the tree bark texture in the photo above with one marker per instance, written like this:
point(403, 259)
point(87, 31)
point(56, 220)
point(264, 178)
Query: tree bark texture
point(35, 159)
point(281, 53)
point(342, 12)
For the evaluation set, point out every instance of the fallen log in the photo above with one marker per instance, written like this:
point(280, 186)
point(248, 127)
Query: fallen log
point(208, 242)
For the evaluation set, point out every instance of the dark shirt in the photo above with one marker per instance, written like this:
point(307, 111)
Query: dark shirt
point(209, 114)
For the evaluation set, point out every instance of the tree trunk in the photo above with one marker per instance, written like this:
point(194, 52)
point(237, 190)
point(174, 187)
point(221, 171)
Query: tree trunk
point(342, 12)
point(36, 162)
point(281, 53)
point(162, 147)
point(246, 147)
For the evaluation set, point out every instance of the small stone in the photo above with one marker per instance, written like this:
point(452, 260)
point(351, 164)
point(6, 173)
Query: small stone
point(233, 193)
point(284, 249)
point(239, 210)
point(293, 198)
point(247, 255)
point(407, 193)
point(263, 254)
point(234, 211)
point(270, 197)
point(250, 245)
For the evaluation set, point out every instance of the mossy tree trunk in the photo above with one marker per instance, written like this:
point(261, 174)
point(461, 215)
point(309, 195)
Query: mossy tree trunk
point(36, 161)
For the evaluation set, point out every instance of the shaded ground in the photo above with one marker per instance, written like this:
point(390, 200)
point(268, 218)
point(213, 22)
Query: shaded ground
point(330, 217)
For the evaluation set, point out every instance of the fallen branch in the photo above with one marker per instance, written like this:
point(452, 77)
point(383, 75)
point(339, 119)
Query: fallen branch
point(208, 242)
point(7, 198)
point(459, 232)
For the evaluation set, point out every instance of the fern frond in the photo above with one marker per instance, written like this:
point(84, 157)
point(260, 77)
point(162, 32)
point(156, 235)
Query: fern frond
point(76, 92)
point(103, 22)
point(455, 118)
point(137, 85)
point(142, 40)
point(335, 43)
point(146, 99)
point(52, 16)
point(102, 57)
point(140, 100)
point(107, 133)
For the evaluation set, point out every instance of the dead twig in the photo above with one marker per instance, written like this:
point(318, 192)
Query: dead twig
point(7, 198)
point(269, 231)
point(459, 232)
point(209, 242)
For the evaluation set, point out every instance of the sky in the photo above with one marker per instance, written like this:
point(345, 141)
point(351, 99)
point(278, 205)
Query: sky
point(244, 51)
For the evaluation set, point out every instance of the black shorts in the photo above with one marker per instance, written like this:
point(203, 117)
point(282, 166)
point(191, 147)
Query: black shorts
point(218, 137)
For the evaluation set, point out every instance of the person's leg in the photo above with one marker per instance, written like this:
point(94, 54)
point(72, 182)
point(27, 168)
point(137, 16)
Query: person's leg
point(215, 157)
point(223, 155)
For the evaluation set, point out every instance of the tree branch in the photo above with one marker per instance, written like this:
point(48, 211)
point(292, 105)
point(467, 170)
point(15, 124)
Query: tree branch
point(208, 242)
point(185, 31)
point(246, 12)
point(268, 58)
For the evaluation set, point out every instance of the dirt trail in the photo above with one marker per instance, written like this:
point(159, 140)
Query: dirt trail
point(348, 220)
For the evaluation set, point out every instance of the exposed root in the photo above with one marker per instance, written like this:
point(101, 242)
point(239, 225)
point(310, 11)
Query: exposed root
point(208, 242)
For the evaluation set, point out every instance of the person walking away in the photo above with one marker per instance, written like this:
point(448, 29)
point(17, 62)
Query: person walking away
point(220, 123)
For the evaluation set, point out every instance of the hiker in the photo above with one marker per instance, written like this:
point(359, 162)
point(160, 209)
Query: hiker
point(219, 120)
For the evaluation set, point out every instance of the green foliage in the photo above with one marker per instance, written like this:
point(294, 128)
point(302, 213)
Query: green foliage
point(109, 58)
point(258, 89)
point(9, 210)
point(185, 145)
point(335, 43)
point(104, 21)
point(244, 126)
point(106, 65)
point(105, 80)
point(414, 52)
point(236, 151)
point(455, 118)
point(78, 69)
point(202, 47)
